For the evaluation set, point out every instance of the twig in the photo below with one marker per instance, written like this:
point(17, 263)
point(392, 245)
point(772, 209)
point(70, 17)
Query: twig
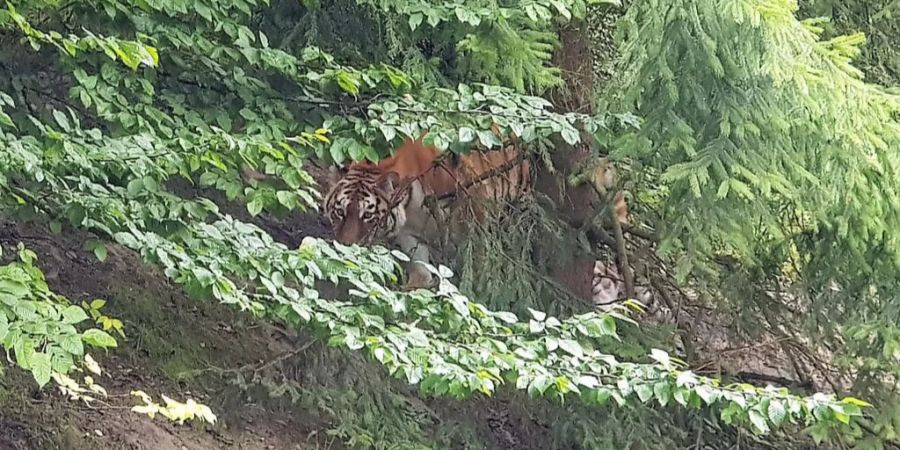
point(496, 171)
point(783, 381)
point(622, 252)
point(744, 348)
point(619, 236)
point(285, 356)
point(676, 311)
point(643, 234)
point(257, 368)
point(361, 105)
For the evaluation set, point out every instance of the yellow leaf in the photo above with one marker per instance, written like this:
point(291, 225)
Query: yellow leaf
point(144, 397)
point(856, 402)
point(149, 410)
point(92, 365)
point(154, 55)
point(97, 389)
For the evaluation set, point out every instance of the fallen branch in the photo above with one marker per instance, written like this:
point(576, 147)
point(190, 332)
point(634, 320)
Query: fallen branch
point(496, 171)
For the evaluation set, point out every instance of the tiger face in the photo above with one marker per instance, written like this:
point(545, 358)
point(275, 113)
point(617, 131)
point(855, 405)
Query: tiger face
point(362, 207)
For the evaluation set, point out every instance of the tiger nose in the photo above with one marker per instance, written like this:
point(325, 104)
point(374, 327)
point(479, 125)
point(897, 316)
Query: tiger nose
point(349, 232)
point(343, 239)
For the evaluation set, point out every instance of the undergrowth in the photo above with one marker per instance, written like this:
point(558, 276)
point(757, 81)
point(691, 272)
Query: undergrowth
point(359, 405)
point(506, 259)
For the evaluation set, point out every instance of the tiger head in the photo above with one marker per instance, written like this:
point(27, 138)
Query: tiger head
point(364, 206)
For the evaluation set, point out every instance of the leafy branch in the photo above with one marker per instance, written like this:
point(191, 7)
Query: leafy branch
point(38, 327)
point(439, 339)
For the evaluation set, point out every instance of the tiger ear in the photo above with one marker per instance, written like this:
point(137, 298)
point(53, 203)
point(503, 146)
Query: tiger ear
point(335, 174)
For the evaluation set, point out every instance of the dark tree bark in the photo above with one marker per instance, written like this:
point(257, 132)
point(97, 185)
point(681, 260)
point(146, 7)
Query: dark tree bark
point(576, 203)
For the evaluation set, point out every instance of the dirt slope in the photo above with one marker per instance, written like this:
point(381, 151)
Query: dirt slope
point(270, 389)
point(169, 338)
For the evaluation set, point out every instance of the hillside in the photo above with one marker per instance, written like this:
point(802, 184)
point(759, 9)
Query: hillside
point(457, 224)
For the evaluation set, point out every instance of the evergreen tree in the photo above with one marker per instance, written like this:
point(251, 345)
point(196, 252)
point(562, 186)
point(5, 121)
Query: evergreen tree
point(762, 160)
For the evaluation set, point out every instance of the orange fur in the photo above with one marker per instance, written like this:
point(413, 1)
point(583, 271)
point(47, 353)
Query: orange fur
point(414, 159)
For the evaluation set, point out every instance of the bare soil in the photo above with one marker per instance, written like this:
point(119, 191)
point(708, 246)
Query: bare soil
point(169, 338)
point(181, 347)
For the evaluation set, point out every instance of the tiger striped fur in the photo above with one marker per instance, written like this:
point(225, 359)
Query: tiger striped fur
point(385, 203)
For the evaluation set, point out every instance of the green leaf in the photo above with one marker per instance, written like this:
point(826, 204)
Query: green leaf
point(552, 343)
point(415, 20)
point(758, 421)
point(14, 288)
point(371, 154)
point(588, 381)
point(6, 120)
point(287, 199)
point(686, 378)
point(388, 131)
point(570, 135)
point(74, 314)
point(608, 326)
point(203, 10)
point(100, 252)
point(98, 248)
point(706, 394)
point(777, 412)
point(127, 239)
point(255, 206)
point(663, 393)
point(55, 227)
point(571, 347)
point(856, 402)
point(389, 106)
point(26, 310)
point(538, 315)
point(842, 417)
point(488, 139)
point(681, 396)
point(356, 151)
point(98, 338)
point(660, 357)
point(338, 149)
point(263, 40)
point(540, 384)
point(248, 114)
point(72, 344)
point(85, 98)
point(23, 347)
point(348, 82)
point(150, 184)
point(277, 279)
point(41, 368)
point(62, 120)
point(644, 392)
point(526, 353)
point(466, 134)
point(62, 362)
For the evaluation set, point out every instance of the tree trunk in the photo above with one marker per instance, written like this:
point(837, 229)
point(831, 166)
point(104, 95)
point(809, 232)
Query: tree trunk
point(579, 203)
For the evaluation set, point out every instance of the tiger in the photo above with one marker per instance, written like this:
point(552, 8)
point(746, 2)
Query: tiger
point(386, 202)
